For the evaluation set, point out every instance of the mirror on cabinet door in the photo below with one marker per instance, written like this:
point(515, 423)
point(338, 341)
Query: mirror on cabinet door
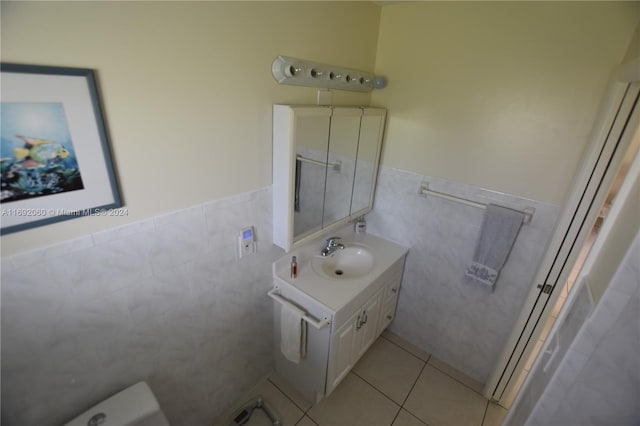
point(343, 147)
point(311, 132)
point(325, 161)
point(369, 145)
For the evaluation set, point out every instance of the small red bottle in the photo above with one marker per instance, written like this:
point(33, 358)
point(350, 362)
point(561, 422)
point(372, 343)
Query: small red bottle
point(294, 267)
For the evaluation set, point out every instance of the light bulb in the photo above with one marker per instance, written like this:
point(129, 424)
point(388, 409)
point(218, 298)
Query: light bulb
point(379, 82)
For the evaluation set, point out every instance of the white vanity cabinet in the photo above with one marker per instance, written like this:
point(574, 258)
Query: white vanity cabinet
point(352, 340)
point(358, 333)
point(345, 315)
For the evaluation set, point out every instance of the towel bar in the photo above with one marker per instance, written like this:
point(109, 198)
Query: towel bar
point(424, 190)
point(335, 166)
point(319, 324)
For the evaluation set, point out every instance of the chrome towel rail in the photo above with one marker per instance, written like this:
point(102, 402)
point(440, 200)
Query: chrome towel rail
point(319, 324)
point(424, 190)
point(335, 166)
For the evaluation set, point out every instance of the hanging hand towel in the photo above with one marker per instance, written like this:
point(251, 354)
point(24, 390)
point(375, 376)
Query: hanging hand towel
point(293, 333)
point(498, 234)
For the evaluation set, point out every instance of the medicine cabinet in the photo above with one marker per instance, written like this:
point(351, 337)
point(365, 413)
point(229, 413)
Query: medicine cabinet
point(325, 163)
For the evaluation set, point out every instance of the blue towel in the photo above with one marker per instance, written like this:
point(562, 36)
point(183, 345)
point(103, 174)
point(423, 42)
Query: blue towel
point(499, 231)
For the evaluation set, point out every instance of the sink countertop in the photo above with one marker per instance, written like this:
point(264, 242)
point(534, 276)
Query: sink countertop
point(337, 293)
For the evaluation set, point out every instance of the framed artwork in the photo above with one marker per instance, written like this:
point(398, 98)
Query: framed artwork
point(55, 159)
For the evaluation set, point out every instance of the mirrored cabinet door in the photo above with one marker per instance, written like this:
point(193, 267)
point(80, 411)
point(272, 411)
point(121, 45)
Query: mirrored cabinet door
point(369, 145)
point(343, 147)
point(311, 132)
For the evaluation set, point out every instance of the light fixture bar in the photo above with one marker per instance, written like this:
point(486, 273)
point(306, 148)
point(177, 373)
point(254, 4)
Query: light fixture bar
point(300, 72)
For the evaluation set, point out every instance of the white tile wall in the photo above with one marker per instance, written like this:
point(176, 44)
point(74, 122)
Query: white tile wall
point(162, 300)
point(598, 380)
point(552, 352)
point(467, 326)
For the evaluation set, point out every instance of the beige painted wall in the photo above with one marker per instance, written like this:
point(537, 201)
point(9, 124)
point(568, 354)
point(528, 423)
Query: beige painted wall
point(633, 51)
point(501, 95)
point(186, 86)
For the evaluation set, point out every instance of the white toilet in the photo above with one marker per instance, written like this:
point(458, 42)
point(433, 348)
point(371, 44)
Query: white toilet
point(134, 406)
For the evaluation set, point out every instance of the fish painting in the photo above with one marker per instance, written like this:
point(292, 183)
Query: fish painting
point(39, 164)
point(39, 151)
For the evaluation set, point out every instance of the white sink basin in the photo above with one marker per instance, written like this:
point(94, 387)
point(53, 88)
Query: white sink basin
point(363, 260)
point(353, 261)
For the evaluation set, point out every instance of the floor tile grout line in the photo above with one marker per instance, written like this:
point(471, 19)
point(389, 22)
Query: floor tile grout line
point(412, 415)
point(304, 413)
point(486, 410)
point(383, 394)
point(407, 397)
point(310, 418)
point(401, 406)
point(414, 385)
point(427, 361)
point(395, 417)
point(406, 350)
point(409, 394)
point(312, 421)
point(375, 388)
point(457, 380)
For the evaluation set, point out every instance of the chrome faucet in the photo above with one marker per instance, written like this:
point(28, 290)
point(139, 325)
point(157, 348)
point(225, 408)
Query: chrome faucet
point(332, 245)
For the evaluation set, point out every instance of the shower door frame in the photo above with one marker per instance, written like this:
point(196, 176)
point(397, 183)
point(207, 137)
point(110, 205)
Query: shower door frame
point(621, 109)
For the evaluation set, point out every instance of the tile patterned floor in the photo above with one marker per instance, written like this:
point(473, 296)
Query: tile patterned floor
point(394, 384)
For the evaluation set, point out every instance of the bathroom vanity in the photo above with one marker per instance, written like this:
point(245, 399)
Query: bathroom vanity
point(349, 297)
point(325, 164)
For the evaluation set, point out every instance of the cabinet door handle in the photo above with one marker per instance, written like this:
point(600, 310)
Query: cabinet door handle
point(365, 318)
point(358, 324)
point(389, 317)
point(394, 290)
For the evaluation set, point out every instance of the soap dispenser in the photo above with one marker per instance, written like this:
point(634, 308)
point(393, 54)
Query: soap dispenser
point(360, 225)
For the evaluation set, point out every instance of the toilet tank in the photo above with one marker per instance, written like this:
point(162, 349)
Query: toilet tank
point(134, 406)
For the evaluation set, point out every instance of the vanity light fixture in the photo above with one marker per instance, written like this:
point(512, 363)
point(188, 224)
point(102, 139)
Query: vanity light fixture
point(300, 72)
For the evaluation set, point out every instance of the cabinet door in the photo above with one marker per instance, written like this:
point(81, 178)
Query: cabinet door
point(352, 340)
point(369, 144)
point(387, 314)
point(341, 359)
point(311, 133)
point(300, 143)
point(389, 303)
point(367, 333)
point(343, 147)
